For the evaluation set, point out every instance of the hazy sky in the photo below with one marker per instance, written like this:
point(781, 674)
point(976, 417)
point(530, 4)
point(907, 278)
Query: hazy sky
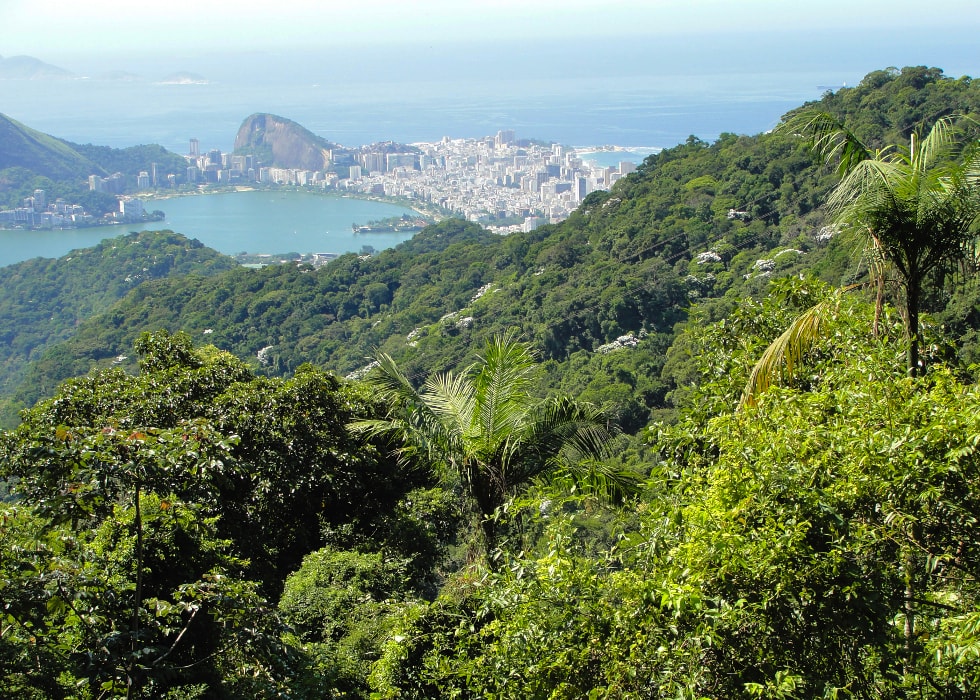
point(48, 28)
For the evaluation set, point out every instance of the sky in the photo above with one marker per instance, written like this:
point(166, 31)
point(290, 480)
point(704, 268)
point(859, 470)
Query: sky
point(47, 29)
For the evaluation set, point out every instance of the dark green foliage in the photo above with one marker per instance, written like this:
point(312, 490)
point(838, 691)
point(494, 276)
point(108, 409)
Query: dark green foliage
point(342, 605)
point(176, 503)
point(295, 469)
point(819, 544)
point(45, 300)
point(132, 160)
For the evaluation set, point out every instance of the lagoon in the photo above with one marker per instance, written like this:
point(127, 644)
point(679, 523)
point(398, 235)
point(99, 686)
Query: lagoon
point(254, 221)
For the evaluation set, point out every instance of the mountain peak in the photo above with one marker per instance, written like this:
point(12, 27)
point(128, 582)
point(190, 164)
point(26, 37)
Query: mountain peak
point(283, 143)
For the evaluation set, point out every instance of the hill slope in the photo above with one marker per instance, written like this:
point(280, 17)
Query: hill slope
point(44, 299)
point(24, 147)
point(31, 159)
point(599, 295)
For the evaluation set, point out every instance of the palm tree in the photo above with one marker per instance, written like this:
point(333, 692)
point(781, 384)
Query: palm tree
point(483, 429)
point(916, 206)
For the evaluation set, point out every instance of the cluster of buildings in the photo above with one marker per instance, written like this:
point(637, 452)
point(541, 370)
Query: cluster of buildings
point(496, 181)
point(36, 212)
point(215, 168)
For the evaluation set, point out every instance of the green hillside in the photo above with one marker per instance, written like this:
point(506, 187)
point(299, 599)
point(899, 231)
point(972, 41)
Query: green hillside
point(30, 159)
point(132, 160)
point(44, 300)
point(47, 156)
point(629, 262)
point(182, 524)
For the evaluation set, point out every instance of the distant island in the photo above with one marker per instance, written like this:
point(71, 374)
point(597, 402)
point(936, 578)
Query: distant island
point(184, 78)
point(30, 68)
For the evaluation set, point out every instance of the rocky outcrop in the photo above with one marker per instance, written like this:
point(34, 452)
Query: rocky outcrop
point(282, 143)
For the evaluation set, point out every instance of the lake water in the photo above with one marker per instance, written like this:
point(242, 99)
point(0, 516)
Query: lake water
point(259, 221)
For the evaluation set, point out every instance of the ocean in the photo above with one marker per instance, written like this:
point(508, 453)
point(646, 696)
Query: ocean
point(578, 92)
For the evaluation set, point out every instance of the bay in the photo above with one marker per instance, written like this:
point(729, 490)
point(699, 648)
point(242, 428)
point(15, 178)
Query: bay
point(257, 221)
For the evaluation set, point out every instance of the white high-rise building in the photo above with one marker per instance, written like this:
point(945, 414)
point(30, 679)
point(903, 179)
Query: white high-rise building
point(504, 137)
point(131, 208)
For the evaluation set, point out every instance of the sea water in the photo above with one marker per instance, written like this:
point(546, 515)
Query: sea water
point(653, 91)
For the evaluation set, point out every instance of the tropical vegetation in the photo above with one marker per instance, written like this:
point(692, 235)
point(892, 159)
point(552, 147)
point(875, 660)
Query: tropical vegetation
point(485, 428)
point(244, 506)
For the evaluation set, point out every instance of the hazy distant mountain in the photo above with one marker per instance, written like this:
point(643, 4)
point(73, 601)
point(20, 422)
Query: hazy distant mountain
point(30, 68)
point(283, 143)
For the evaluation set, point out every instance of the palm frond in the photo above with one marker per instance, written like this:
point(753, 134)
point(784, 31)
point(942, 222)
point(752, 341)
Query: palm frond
point(786, 353)
point(828, 138)
point(597, 477)
point(935, 144)
point(451, 397)
point(389, 381)
point(503, 380)
point(564, 429)
point(410, 421)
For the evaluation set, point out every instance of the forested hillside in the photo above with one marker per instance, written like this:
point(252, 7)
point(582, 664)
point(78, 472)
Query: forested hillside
point(43, 154)
point(32, 160)
point(44, 300)
point(696, 223)
point(791, 512)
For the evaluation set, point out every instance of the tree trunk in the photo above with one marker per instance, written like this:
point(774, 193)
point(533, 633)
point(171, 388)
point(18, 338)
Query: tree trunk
point(131, 681)
point(482, 493)
point(913, 292)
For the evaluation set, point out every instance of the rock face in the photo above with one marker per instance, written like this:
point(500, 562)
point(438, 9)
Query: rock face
point(283, 143)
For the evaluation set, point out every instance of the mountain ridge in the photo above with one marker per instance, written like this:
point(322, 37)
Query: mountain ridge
point(40, 153)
